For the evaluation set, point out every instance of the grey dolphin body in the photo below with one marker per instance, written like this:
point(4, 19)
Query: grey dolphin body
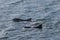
point(34, 25)
point(18, 20)
point(39, 26)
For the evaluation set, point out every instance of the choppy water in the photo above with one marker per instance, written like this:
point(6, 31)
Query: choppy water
point(46, 11)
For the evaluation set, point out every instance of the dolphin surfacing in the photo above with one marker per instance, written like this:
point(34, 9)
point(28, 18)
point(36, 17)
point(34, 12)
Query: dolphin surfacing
point(39, 26)
point(18, 20)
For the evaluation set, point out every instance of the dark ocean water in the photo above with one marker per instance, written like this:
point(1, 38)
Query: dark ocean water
point(46, 12)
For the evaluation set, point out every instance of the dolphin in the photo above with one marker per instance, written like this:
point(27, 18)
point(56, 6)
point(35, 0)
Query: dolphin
point(18, 20)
